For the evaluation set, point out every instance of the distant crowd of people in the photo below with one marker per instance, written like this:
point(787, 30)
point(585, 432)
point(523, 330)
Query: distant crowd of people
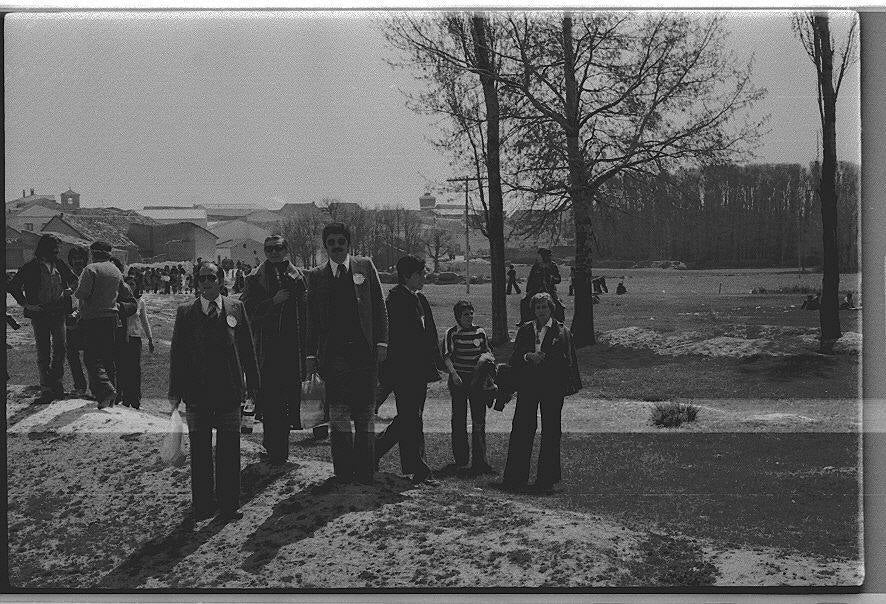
point(176, 278)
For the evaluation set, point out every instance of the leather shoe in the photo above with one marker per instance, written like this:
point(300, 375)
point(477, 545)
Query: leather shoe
point(204, 513)
point(229, 516)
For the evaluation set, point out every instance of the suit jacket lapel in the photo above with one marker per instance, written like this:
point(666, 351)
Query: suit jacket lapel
point(549, 336)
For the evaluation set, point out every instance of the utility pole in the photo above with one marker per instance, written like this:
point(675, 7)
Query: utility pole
point(466, 180)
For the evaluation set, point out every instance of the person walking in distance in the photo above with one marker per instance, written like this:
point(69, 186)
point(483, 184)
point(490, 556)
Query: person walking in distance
point(413, 361)
point(42, 286)
point(97, 292)
point(346, 336)
point(211, 353)
point(512, 280)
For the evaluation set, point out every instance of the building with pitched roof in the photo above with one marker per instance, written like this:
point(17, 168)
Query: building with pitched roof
point(105, 224)
point(173, 214)
point(175, 241)
point(217, 212)
point(240, 229)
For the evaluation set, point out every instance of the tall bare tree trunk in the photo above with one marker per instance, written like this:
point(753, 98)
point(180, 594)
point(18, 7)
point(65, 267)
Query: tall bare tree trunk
point(829, 313)
point(495, 221)
point(583, 317)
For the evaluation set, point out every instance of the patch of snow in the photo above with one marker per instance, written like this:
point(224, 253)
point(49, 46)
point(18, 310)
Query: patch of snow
point(45, 416)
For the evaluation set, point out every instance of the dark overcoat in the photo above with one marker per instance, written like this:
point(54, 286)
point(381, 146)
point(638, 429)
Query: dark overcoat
point(279, 332)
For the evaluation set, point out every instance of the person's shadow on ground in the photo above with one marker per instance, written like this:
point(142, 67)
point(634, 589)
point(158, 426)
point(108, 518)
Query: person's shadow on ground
point(156, 557)
point(292, 519)
point(301, 515)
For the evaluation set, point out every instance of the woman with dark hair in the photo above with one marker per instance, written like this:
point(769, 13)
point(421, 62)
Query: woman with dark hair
point(42, 286)
point(545, 364)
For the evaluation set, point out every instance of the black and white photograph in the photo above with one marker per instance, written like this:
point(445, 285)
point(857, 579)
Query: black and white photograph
point(434, 301)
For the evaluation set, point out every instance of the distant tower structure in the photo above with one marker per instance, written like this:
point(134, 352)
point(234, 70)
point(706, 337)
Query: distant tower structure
point(70, 200)
point(427, 201)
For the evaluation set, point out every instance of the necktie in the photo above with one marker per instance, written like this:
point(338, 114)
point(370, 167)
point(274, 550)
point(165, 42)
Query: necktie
point(340, 272)
point(213, 311)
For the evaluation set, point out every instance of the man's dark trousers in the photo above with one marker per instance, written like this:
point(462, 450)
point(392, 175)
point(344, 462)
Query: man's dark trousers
point(222, 486)
point(129, 371)
point(73, 346)
point(99, 346)
point(523, 429)
point(350, 387)
point(49, 335)
point(275, 409)
point(407, 428)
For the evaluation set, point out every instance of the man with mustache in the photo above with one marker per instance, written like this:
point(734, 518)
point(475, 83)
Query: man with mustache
point(347, 335)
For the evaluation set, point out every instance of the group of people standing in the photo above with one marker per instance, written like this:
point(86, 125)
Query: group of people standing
point(84, 307)
point(334, 320)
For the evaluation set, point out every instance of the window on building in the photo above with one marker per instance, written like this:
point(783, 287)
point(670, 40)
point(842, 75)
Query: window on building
point(29, 226)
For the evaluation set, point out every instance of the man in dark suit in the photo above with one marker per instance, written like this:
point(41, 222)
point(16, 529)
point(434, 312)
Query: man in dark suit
point(211, 351)
point(413, 361)
point(347, 335)
point(275, 299)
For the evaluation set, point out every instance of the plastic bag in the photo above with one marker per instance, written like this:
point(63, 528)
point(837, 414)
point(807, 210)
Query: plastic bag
point(312, 410)
point(172, 449)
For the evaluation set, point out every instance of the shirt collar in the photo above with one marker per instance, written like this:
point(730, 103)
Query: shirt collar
point(545, 326)
point(334, 265)
point(205, 303)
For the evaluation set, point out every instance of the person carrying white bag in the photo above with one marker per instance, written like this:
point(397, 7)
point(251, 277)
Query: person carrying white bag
point(211, 352)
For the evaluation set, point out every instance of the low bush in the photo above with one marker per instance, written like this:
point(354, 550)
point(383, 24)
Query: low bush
point(672, 415)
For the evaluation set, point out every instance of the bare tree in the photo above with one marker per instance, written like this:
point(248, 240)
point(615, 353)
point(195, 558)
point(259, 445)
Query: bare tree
point(438, 244)
point(602, 94)
point(303, 235)
point(456, 53)
point(814, 32)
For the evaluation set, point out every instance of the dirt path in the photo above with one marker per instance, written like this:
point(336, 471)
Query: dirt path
point(91, 507)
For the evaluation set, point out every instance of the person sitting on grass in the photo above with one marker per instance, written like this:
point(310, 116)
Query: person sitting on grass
point(847, 302)
point(463, 347)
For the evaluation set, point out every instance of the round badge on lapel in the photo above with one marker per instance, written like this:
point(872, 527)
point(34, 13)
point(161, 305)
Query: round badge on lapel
point(359, 278)
point(232, 320)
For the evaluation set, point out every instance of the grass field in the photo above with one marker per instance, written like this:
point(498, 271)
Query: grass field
point(772, 461)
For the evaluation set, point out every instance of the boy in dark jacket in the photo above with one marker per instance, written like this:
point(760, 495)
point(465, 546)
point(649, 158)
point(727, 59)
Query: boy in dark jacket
point(412, 362)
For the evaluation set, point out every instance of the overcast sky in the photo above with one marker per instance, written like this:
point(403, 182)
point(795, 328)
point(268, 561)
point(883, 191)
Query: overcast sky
point(176, 109)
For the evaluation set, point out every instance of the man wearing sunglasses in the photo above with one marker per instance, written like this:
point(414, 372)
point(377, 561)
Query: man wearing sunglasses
point(211, 352)
point(347, 335)
point(274, 298)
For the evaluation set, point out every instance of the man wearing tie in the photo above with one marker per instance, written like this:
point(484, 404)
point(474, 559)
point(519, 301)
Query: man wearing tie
point(347, 334)
point(211, 351)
